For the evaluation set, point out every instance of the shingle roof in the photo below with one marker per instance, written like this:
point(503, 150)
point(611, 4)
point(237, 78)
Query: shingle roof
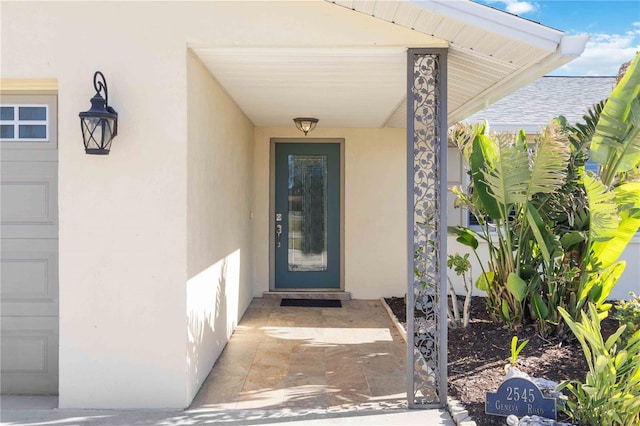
point(535, 105)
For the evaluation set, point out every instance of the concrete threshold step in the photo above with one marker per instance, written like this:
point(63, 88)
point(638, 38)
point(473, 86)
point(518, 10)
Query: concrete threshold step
point(340, 295)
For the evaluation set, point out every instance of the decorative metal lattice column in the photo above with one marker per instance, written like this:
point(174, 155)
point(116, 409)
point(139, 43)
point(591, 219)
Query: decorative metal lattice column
point(426, 230)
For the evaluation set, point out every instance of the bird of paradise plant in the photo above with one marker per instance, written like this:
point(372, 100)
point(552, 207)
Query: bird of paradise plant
point(554, 231)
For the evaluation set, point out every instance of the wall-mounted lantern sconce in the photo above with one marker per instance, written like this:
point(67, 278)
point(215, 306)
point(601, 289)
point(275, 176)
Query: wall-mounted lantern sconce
point(305, 124)
point(100, 124)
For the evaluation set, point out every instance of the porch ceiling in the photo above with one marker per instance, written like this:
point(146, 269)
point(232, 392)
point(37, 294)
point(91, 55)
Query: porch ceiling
point(343, 87)
point(491, 54)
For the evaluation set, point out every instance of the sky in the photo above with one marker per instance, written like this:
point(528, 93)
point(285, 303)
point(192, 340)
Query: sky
point(613, 27)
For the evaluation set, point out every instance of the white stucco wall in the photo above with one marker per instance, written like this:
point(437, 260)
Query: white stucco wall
point(122, 216)
point(219, 197)
point(141, 238)
point(375, 218)
point(630, 279)
point(131, 256)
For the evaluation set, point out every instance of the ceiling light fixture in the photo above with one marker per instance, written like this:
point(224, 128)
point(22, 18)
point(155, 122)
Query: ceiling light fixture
point(305, 124)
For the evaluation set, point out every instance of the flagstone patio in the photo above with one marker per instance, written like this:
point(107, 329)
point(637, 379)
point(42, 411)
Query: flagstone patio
point(283, 365)
point(349, 358)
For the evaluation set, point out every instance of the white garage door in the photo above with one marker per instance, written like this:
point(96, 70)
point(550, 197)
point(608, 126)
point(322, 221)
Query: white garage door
point(29, 244)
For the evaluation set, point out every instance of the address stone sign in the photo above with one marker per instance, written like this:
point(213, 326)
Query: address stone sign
point(520, 397)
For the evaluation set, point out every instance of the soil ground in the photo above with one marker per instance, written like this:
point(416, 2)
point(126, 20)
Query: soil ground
point(478, 354)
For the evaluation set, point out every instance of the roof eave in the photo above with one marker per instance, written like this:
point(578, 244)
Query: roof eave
point(568, 49)
point(496, 21)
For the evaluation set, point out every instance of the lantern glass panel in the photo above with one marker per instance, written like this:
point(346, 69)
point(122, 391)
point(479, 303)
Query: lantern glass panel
point(97, 132)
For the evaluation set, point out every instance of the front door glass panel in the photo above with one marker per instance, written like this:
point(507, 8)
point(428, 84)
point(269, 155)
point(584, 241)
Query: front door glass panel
point(307, 236)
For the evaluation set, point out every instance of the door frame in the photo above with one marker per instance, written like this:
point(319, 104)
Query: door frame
point(272, 209)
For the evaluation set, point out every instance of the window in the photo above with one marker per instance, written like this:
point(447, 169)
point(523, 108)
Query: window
point(24, 123)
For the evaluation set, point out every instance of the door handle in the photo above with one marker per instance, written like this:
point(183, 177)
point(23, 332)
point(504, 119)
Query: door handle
point(278, 234)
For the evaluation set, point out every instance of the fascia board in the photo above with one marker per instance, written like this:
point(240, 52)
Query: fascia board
point(573, 45)
point(496, 21)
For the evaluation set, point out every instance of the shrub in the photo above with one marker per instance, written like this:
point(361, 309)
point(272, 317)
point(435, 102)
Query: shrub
point(610, 394)
point(461, 265)
point(628, 313)
point(553, 230)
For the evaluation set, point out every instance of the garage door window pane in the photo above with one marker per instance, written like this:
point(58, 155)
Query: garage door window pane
point(6, 113)
point(32, 113)
point(6, 132)
point(33, 131)
point(24, 123)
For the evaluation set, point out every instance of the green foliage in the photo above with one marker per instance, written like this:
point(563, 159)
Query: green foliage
point(516, 349)
point(554, 232)
point(616, 143)
point(627, 200)
point(610, 394)
point(461, 265)
point(419, 267)
point(628, 314)
point(509, 177)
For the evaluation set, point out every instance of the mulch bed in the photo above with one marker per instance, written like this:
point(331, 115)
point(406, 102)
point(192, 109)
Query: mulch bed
point(478, 354)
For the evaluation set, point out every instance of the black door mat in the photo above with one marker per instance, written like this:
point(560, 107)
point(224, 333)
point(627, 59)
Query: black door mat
point(312, 303)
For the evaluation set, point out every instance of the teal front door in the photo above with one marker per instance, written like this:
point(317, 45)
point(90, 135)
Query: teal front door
point(307, 216)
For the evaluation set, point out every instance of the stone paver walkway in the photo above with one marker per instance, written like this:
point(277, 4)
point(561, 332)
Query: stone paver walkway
point(310, 358)
point(282, 366)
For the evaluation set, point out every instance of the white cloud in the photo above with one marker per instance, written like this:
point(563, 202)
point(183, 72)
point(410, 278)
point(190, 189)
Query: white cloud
point(604, 53)
point(516, 7)
point(520, 7)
